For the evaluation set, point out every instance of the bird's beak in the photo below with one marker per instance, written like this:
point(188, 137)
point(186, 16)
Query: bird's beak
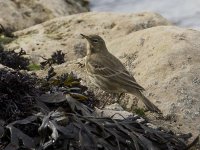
point(85, 36)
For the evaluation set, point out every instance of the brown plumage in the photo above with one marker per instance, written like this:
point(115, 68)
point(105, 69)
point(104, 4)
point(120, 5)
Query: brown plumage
point(109, 74)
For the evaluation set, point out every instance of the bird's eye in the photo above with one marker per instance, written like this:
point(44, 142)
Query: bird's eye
point(95, 40)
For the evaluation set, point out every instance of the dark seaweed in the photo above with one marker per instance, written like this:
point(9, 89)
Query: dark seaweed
point(17, 93)
point(56, 58)
point(13, 59)
point(8, 32)
point(53, 116)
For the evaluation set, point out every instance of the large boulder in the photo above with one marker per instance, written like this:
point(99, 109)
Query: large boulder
point(20, 14)
point(164, 59)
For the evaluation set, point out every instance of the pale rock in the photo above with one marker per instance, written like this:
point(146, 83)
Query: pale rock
point(150, 125)
point(114, 106)
point(140, 120)
point(113, 113)
point(2, 66)
point(20, 14)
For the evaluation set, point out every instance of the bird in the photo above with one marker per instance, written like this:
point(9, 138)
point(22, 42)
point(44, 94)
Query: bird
point(109, 74)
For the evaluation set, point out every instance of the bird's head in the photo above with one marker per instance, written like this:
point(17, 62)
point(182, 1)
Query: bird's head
point(96, 43)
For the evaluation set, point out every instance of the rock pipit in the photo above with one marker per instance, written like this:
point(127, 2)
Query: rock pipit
point(109, 74)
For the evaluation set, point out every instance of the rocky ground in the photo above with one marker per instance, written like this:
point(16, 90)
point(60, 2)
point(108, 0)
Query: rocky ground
point(20, 14)
point(163, 58)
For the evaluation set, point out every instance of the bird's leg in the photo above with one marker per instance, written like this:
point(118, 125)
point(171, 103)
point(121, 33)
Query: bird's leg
point(107, 99)
point(120, 95)
point(117, 96)
point(114, 97)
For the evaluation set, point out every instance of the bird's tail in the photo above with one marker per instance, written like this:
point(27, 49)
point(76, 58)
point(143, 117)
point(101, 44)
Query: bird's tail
point(150, 106)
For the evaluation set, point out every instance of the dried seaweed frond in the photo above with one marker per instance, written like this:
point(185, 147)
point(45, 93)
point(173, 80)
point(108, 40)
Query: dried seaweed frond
point(57, 57)
point(13, 59)
point(17, 92)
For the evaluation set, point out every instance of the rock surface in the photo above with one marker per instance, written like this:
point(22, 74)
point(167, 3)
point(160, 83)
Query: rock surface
point(64, 33)
point(115, 114)
point(20, 14)
point(164, 59)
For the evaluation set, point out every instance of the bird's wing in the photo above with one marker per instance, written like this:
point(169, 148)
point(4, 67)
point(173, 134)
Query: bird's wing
point(115, 75)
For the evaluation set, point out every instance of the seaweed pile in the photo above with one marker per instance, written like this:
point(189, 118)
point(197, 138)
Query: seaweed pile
point(13, 59)
point(56, 58)
point(17, 93)
point(57, 113)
